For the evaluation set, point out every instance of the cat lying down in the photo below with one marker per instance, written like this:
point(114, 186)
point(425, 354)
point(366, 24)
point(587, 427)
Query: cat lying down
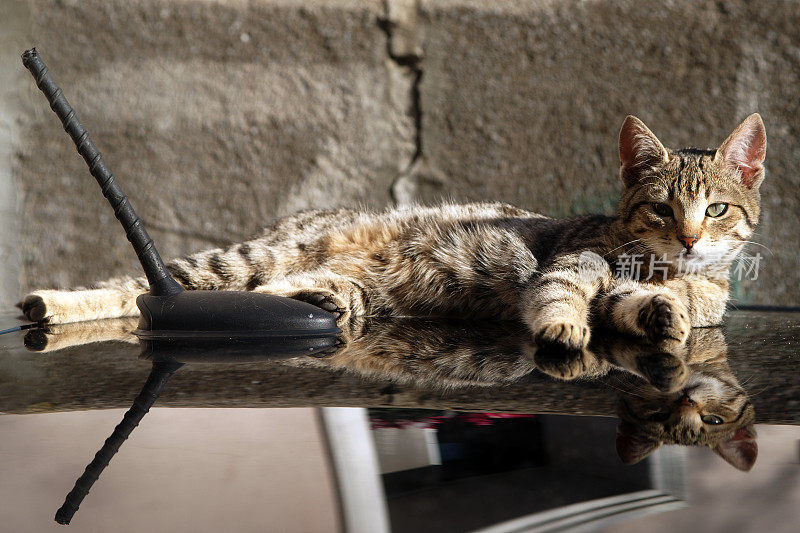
point(685, 214)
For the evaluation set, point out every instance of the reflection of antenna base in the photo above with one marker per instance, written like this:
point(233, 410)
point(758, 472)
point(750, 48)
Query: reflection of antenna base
point(240, 350)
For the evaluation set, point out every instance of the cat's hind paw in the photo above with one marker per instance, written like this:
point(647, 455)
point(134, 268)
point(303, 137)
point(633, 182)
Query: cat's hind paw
point(665, 321)
point(34, 308)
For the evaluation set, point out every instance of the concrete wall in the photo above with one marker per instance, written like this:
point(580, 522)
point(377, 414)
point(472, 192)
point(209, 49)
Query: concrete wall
point(218, 116)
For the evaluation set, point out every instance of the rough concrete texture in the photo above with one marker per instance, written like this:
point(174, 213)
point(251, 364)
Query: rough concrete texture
point(218, 116)
point(523, 103)
point(12, 111)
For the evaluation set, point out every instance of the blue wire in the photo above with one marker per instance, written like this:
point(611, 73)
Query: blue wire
point(18, 328)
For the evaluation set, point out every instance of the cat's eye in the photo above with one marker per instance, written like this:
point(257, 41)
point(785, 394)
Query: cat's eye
point(662, 210)
point(712, 420)
point(716, 210)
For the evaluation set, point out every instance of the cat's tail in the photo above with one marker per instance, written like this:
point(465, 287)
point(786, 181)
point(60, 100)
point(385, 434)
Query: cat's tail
point(242, 266)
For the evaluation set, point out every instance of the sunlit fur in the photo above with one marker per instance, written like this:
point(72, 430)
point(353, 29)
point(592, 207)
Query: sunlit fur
point(492, 260)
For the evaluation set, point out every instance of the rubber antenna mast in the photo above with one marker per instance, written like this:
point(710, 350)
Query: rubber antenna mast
point(159, 278)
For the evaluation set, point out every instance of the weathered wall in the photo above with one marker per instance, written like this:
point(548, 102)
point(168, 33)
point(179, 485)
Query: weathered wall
point(218, 116)
point(215, 116)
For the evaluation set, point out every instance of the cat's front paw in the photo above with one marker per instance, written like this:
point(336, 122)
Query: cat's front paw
point(569, 334)
point(664, 371)
point(325, 300)
point(560, 348)
point(665, 321)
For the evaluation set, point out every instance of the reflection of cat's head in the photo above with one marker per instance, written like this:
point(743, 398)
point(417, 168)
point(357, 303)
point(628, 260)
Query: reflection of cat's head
point(712, 410)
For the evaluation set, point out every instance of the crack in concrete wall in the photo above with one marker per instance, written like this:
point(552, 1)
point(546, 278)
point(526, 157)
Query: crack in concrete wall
point(404, 48)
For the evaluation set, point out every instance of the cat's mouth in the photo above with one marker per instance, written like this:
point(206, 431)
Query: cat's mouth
point(696, 258)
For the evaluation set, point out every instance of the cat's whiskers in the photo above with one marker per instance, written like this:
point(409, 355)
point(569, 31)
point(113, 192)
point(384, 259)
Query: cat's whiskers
point(756, 243)
point(621, 246)
point(634, 389)
point(751, 395)
point(745, 381)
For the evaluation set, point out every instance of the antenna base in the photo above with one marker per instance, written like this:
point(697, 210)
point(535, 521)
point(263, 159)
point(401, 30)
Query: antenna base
point(230, 314)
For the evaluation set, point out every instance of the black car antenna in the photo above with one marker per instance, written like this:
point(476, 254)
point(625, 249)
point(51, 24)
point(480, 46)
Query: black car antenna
point(169, 310)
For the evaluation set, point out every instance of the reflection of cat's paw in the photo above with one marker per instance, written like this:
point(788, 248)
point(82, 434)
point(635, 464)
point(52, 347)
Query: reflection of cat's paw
point(570, 335)
point(52, 337)
point(665, 320)
point(556, 360)
point(36, 340)
point(338, 346)
point(664, 371)
point(353, 329)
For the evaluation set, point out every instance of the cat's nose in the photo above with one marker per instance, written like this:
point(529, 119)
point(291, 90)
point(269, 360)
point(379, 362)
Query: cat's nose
point(686, 401)
point(688, 242)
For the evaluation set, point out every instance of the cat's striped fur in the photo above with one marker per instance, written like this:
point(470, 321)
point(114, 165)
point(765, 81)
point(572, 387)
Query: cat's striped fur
point(490, 260)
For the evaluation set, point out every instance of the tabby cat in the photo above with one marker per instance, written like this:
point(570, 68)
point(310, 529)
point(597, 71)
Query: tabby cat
point(487, 260)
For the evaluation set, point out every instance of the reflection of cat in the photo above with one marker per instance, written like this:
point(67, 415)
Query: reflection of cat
point(663, 399)
point(500, 262)
point(710, 409)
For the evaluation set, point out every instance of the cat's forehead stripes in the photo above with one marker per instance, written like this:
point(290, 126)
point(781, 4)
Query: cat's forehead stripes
point(690, 173)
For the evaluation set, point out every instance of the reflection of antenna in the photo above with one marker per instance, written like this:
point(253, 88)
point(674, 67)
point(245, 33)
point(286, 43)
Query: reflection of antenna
point(156, 381)
point(168, 355)
point(168, 310)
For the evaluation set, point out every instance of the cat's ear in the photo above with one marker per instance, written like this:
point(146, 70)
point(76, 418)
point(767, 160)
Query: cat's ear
point(638, 149)
point(744, 151)
point(631, 447)
point(741, 449)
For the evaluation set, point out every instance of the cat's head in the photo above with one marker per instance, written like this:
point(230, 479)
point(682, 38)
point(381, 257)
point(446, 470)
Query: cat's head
point(711, 410)
point(699, 204)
